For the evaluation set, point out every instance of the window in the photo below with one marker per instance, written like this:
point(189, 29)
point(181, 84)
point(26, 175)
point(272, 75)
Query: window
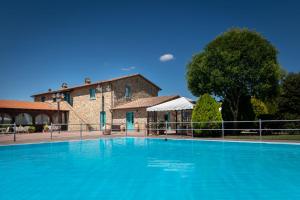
point(67, 98)
point(127, 91)
point(186, 115)
point(150, 90)
point(43, 98)
point(92, 93)
point(54, 99)
point(5, 118)
point(42, 119)
point(59, 120)
point(23, 119)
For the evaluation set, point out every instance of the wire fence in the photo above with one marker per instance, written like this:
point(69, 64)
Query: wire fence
point(249, 130)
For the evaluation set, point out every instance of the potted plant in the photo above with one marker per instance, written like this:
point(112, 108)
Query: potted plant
point(136, 127)
point(31, 129)
point(122, 127)
point(161, 127)
point(107, 130)
point(46, 128)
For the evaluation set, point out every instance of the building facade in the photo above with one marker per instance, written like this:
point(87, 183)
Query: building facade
point(116, 102)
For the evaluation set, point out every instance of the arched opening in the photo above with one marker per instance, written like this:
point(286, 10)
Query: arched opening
point(42, 119)
point(5, 118)
point(23, 119)
point(55, 119)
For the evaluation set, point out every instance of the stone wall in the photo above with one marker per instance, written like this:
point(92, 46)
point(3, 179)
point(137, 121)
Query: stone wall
point(140, 88)
point(140, 115)
point(89, 109)
point(86, 110)
point(48, 98)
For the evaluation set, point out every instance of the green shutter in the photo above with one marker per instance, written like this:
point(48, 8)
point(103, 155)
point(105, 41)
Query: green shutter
point(92, 93)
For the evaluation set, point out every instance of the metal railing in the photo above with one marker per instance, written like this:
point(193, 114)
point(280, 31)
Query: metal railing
point(257, 130)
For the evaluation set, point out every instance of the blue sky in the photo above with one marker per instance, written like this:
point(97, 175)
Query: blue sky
point(45, 43)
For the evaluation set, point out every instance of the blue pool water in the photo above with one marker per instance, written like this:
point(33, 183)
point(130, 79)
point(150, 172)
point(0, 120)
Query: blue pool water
point(137, 168)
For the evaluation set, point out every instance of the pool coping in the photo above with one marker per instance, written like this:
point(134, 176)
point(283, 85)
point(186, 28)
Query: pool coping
point(157, 138)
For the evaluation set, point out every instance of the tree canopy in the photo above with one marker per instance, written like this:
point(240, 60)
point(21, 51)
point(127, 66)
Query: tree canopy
point(259, 107)
point(237, 63)
point(289, 106)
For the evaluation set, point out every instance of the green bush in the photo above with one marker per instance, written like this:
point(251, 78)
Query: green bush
point(46, 128)
point(206, 110)
point(31, 129)
point(259, 108)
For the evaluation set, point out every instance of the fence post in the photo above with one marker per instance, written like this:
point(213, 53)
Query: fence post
point(223, 135)
point(15, 130)
point(80, 131)
point(51, 130)
point(192, 129)
point(260, 137)
point(166, 124)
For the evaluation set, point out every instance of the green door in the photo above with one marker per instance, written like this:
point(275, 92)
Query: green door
point(102, 120)
point(129, 121)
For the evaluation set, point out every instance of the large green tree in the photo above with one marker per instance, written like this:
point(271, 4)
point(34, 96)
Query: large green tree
point(236, 64)
point(289, 100)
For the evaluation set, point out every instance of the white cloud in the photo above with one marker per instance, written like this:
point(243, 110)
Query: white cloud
point(166, 57)
point(128, 68)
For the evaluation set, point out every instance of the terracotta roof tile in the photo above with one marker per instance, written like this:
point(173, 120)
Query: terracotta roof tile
point(145, 102)
point(13, 104)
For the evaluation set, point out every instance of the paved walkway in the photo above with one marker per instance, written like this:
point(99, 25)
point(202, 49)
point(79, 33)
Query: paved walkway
point(62, 136)
point(65, 136)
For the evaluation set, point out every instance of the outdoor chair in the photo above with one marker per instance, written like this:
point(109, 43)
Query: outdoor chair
point(7, 130)
point(26, 129)
point(19, 129)
point(3, 130)
point(54, 128)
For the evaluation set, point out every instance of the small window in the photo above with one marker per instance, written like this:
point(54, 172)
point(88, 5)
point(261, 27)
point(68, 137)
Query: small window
point(54, 99)
point(150, 90)
point(127, 91)
point(92, 93)
point(43, 98)
point(68, 98)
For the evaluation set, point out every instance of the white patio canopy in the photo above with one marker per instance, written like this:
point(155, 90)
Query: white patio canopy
point(181, 103)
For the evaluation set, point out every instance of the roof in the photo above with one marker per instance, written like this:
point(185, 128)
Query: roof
point(97, 83)
point(28, 105)
point(145, 102)
point(181, 103)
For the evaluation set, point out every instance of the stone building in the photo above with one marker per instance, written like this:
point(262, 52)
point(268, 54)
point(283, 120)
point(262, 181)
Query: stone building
point(116, 102)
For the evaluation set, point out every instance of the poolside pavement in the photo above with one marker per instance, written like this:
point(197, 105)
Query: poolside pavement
point(23, 138)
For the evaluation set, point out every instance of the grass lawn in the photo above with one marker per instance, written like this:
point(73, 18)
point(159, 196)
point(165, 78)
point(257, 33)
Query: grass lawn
point(266, 137)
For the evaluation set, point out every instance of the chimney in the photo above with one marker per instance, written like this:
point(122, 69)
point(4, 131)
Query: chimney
point(87, 81)
point(64, 85)
point(49, 90)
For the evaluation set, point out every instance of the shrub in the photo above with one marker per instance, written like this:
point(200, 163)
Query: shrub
point(259, 108)
point(206, 109)
point(31, 129)
point(46, 128)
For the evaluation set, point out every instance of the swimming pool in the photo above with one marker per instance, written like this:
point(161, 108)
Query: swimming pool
point(139, 168)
